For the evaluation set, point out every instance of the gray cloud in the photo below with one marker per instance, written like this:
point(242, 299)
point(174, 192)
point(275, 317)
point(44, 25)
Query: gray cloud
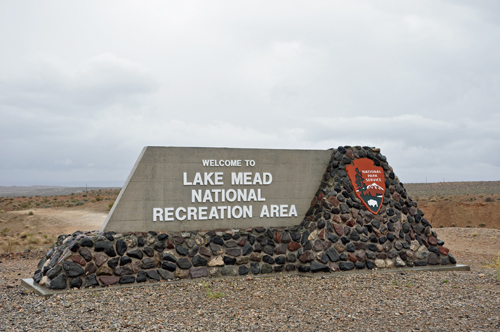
point(84, 88)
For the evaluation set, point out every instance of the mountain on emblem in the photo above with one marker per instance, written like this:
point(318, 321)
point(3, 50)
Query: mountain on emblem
point(369, 183)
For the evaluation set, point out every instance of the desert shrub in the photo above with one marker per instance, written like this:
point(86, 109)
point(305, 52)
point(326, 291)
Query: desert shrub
point(5, 231)
point(488, 199)
point(30, 213)
point(98, 198)
point(9, 245)
point(34, 240)
point(110, 205)
point(78, 203)
point(25, 235)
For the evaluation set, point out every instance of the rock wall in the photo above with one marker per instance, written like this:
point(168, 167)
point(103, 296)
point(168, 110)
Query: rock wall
point(337, 233)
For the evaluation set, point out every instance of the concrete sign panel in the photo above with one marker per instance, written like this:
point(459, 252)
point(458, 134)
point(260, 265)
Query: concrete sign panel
point(176, 189)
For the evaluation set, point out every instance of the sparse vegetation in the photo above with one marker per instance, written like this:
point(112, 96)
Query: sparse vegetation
point(209, 294)
point(9, 245)
point(495, 265)
point(25, 235)
point(5, 231)
point(34, 240)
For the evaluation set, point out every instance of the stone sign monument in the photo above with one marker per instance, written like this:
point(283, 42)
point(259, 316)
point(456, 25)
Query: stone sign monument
point(176, 189)
point(207, 212)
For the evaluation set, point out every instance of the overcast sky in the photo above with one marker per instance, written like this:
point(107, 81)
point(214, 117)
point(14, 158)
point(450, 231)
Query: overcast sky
point(85, 85)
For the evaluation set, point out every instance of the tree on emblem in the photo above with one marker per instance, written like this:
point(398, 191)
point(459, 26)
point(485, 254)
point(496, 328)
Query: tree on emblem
point(360, 182)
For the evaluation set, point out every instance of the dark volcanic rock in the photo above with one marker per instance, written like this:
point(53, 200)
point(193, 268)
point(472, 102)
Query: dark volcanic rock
point(184, 263)
point(255, 268)
point(229, 260)
point(141, 276)
point(304, 268)
point(148, 263)
point(112, 263)
point(91, 281)
point(169, 257)
point(137, 253)
point(268, 259)
point(233, 252)
point(121, 247)
point(165, 275)
point(346, 266)
point(76, 283)
point(148, 251)
point(266, 268)
point(59, 282)
point(181, 250)
point(199, 260)
point(54, 272)
point(86, 242)
point(242, 270)
point(127, 280)
point(359, 265)
point(420, 263)
point(123, 270)
point(433, 259)
point(332, 254)
point(152, 274)
point(105, 246)
point(280, 260)
point(317, 267)
point(125, 260)
point(85, 253)
point(74, 246)
point(72, 269)
point(246, 250)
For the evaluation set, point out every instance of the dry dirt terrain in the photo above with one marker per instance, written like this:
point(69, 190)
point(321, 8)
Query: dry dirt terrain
point(32, 222)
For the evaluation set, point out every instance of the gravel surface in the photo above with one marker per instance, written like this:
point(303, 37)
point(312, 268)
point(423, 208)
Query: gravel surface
point(408, 301)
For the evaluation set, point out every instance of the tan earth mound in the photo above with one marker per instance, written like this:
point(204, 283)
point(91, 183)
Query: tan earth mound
point(462, 211)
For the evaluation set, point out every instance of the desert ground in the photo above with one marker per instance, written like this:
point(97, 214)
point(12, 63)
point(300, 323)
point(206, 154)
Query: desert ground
point(465, 215)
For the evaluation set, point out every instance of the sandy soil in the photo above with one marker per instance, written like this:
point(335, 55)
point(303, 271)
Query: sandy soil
point(60, 220)
point(21, 230)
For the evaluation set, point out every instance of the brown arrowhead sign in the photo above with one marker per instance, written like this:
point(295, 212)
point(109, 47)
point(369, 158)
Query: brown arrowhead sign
point(369, 183)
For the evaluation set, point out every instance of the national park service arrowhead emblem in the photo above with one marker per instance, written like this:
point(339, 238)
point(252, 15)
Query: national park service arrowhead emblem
point(369, 183)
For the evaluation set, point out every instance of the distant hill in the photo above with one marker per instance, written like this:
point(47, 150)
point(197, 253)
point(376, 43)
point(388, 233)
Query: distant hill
point(414, 189)
point(15, 191)
point(453, 188)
